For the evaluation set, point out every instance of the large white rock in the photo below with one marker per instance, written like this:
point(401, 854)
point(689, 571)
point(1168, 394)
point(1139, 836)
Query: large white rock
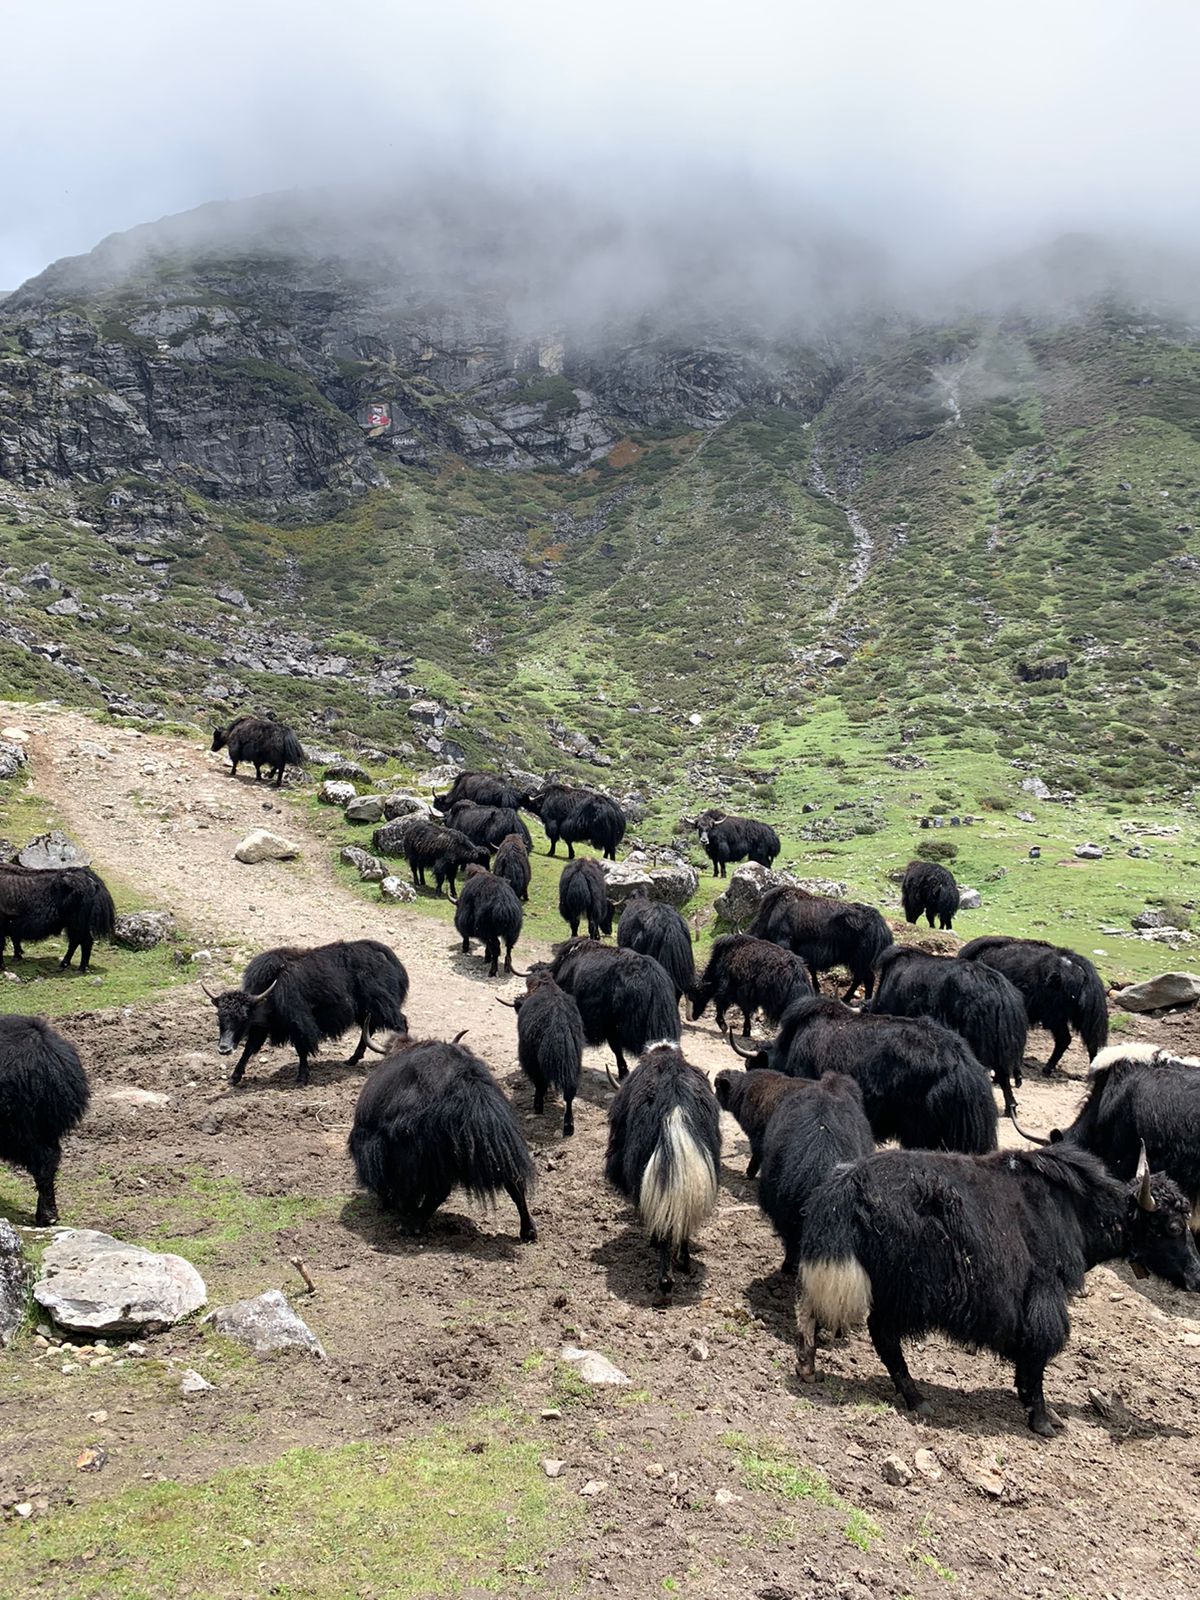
point(365, 808)
point(267, 1324)
point(736, 906)
point(261, 845)
point(674, 882)
point(969, 899)
point(92, 1283)
point(396, 890)
point(406, 805)
point(334, 792)
point(12, 1281)
point(1168, 989)
point(591, 1366)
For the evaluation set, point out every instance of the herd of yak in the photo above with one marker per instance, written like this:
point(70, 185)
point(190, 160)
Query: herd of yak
point(940, 1230)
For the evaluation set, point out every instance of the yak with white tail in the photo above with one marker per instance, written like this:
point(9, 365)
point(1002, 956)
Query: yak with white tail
point(664, 1151)
point(985, 1249)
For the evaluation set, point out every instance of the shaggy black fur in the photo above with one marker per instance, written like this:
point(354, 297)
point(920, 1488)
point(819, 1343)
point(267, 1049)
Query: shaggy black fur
point(578, 816)
point(825, 933)
point(550, 1043)
point(43, 1094)
point(318, 994)
point(1061, 989)
point(929, 890)
point(431, 1118)
point(626, 1000)
point(487, 825)
point(921, 1085)
point(583, 896)
point(727, 839)
point(985, 1249)
point(664, 1151)
point(484, 788)
point(752, 974)
point(967, 996)
point(263, 743)
point(656, 929)
point(751, 1099)
point(442, 851)
point(512, 864)
point(488, 910)
point(36, 905)
point(810, 1134)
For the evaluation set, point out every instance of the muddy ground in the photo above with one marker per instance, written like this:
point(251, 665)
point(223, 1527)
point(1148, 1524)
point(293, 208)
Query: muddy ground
point(469, 1322)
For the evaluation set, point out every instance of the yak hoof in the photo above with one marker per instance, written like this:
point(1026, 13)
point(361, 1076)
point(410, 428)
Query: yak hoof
point(1045, 1423)
point(529, 1234)
point(922, 1411)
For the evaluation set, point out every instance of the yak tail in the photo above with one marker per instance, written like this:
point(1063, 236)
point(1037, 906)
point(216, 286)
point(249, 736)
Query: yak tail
point(488, 1146)
point(561, 1061)
point(369, 1152)
point(1091, 1008)
point(679, 1185)
point(293, 750)
point(676, 957)
point(835, 1291)
point(100, 914)
point(963, 1110)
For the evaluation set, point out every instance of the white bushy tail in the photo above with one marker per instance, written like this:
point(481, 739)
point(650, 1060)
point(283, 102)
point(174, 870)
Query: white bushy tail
point(679, 1185)
point(836, 1293)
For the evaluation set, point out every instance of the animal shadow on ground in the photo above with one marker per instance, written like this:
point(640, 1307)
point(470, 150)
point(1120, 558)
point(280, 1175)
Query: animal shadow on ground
point(630, 1264)
point(30, 967)
point(772, 1299)
point(323, 1072)
point(449, 1232)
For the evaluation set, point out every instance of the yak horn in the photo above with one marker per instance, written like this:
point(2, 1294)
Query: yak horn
point(1034, 1138)
point(209, 993)
point(516, 973)
point(608, 1074)
point(255, 998)
point(1141, 1177)
point(501, 1001)
point(746, 1055)
point(378, 1048)
point(459, 1036)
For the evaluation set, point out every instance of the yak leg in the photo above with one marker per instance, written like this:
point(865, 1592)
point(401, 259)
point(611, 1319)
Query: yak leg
point(887, 1348)
point(491, 954)
point(849, 992)
point(752, 1169)
point(746, 1015)
point(806, 1335)
point(279, 777)
point(516, 1193)
point(665, 1281)
point(539, 1100)
point(72, 946)
point(791, 1257)
point(1062, 1039)
point(302, 1069)
point(44, 1168)
point(360, 1048)
point(569, 1116)
point(233, 768)
point(622, 1069)
point(508, 966)
point(570, 850)
point(85, 953)
point(466, 950)
point(258, 772)
point(1030, 1373)
point(685, 1257)
point(1044, 1331)
point(553, 837)
point(254, 1043)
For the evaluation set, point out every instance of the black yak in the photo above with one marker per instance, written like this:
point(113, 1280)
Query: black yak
point(626, 1000)
point(1061, 989)
point(752, 974)
point(727, 839)
point(265, 967)
point(263, 743)
point(442, 851)
point(751, 1099)
point(583, 896)
point(824, 932)
point(43, 1094)
point(487, 825)
point(809, 1135)
point(974, 1000)
point(929, 890)
point(578, 816)
point(317, 994)
point(488, 910)
point(429, 1119)
point(484, 788)
point(37, 904)
point(549, 1043)
point(656, 929)
point(512, 864)
point(920, 1083)
point(985, 1249)
point(1141, 1095)
point(664, 1151)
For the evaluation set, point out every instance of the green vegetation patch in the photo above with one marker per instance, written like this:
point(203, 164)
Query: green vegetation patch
point(764, 1467)
point(432, 1517)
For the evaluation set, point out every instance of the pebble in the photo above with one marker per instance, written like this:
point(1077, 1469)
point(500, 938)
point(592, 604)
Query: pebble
point(552, 1468)
point(97, 1416)
point(551, 1414)
point(725, 1497)
point(654, 1469)
point(926, 1464)
point(593, 1486)
point(192, 1383)
point(698, 1350)
point(896, 1471)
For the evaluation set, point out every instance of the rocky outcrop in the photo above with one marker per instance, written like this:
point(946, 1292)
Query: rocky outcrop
point(267, 1325)
point(92, 1283)
point(143, 930)
point(262, 845)
point(13, 1282)
point(1156, 994)
point(673, 881)
point(736, 905)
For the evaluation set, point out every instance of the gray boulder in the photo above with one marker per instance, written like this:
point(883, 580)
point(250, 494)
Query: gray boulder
point(1155, 994)
point(1151, 919)
point(267, 1325)
point(406, 805)
point(262, 845)
point(12, 759)
point(13, 1279)
point(1089, 852)
point(673, 882)
point(365, 808)
point(334, 792)
point(344, 769)
point(737, 904)
point(143, 930)
point(396, 890)
point(389, 840)
point(92, 1283)
point(969, 899)
point(370, 868)
point(52, 849)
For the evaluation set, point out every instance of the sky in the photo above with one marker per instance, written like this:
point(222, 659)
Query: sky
point(940, 129)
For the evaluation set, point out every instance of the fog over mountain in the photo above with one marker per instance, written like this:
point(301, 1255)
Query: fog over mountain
point(757, 159)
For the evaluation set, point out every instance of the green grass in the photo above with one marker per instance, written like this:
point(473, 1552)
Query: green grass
point(433, 1516)
point(763, 1467)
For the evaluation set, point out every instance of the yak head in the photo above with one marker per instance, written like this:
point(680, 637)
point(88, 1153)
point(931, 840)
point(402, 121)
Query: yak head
point(758, 1058)
point(1158, 1230)
point(725, 1086)
point(441, 802)
point(234, 1009)
point(220, 738)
